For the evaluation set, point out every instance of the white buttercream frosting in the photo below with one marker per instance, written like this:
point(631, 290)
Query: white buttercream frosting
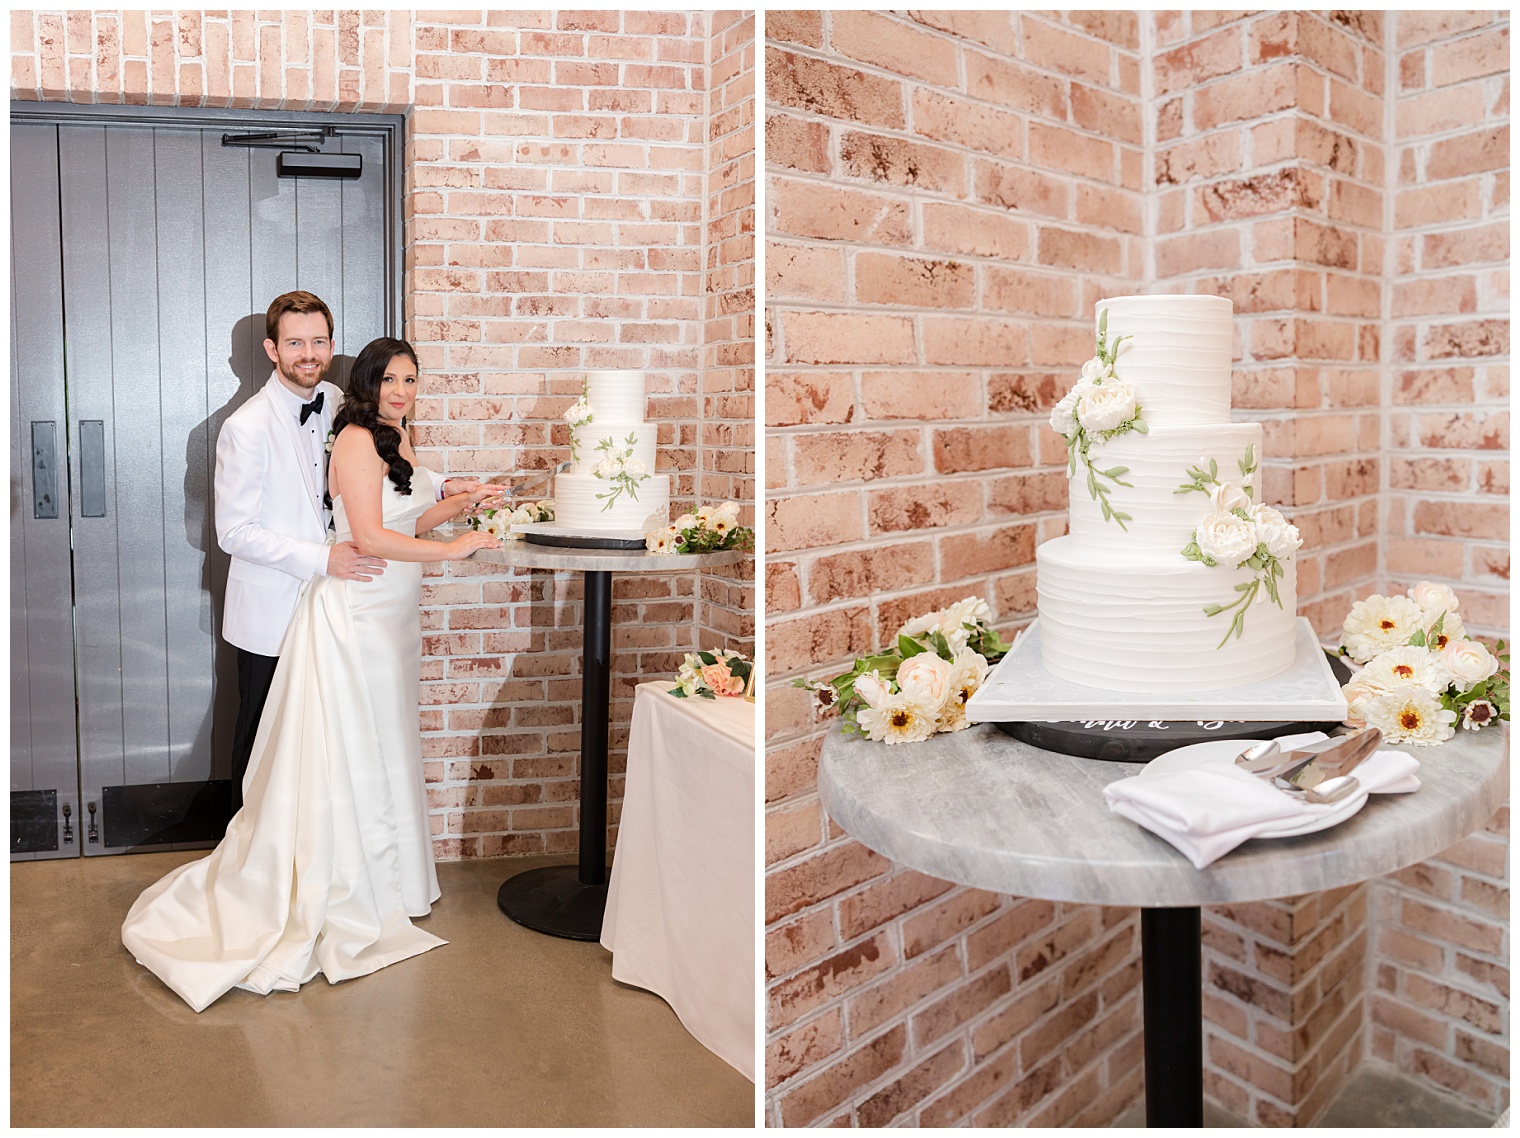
point(1177, 357)
point(1128, 622)
point(1161, 521)
point(1121, 608)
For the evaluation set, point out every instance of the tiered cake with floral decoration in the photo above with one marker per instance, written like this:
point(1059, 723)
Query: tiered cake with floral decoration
point(611, 485)
point(1174, 575)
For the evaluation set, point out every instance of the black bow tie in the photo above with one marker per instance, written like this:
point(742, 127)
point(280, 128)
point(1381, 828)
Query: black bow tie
point(310, 409)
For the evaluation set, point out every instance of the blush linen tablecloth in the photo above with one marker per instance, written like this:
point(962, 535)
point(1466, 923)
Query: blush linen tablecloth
point(680, 917)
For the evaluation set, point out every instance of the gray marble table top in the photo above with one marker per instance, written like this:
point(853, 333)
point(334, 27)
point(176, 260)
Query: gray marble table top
point(980, 808)
point(522, 555)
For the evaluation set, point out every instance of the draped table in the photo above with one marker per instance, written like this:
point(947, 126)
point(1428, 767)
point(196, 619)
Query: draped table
point(979, 808)
point(566, 900)
point(680, 917)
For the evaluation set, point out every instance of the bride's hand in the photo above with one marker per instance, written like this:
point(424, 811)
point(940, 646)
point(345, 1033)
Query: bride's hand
point(485, 492)
point(467, 543)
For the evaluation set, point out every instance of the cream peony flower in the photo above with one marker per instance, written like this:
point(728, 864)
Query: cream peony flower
point(1279, 535)
point(925, 679)
point(1433, 598)
point(1106, 408)
point(1468, 662)
point(920, 625)
point(1063, 416)
point(1379, 623)
point(1229, 540)
point(1227, 496)
point(897, 720)
point(1411, 715)
point(1407, 664)
point(731, 509)
point(1358, 693)
point(872, 689)
point(686, 521)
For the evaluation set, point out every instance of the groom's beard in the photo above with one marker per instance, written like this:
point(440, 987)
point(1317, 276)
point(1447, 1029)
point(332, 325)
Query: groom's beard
point(307, 379)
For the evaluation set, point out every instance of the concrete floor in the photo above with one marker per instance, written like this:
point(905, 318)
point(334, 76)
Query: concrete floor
point(1375, 1096)
point(501, 1027)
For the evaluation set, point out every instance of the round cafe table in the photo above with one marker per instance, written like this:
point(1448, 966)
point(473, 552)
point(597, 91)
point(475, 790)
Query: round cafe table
point(568, 900)
point(980, 808)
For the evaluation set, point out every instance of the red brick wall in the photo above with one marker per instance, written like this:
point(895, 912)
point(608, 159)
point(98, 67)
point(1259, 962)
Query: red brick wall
point(944, 205)
point(726, 444)
point(1270, 173)
point(559, 169)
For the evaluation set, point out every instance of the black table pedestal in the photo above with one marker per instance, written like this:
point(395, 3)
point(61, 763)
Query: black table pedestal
point(565, 900)
point(1171, 962)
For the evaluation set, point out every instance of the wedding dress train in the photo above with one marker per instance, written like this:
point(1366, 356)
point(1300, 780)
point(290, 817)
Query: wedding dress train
point(330, 854)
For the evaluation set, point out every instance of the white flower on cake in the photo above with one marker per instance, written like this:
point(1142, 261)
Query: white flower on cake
point(1405, 665)
point(1279, 535)
point(897, 719)
point(1434, 599)
point(1227, 496)
point(1468, 662)
point(1379, 623)
point(1099, 407)
point(1063, 416)
point(621, 468)
point(579, 413)
point(1411, 714)
point(1225, 539)
point(1239, 535)
point(925, 679)
point(1107, 407)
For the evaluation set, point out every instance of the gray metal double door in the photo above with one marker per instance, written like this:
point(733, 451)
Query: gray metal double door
point(143, 255)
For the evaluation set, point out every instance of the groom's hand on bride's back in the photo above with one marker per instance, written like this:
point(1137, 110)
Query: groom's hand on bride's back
point(344, 560)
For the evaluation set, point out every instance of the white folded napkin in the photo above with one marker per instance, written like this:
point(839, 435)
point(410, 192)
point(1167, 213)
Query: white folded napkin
point(1208, 810)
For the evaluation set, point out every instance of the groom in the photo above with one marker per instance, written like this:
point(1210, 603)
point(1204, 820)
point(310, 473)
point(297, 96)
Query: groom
point(271, 480)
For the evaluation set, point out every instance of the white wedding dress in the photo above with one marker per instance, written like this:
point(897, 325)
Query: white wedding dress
point(330, 854)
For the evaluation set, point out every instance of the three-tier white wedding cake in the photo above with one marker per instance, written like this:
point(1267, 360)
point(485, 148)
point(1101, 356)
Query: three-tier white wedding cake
point(611, 484)
point(1174, 575)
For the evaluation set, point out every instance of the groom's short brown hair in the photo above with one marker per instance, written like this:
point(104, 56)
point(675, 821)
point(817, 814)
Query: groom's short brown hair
point(299, 302)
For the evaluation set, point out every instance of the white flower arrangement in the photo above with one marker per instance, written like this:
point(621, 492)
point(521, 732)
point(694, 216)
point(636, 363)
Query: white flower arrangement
point(709, 674)
point(619, 467)
point(1100, 407)
point(711, 529)
point(920, 686)
point(1240, 534)
point(1421, 676)
point(498, 520)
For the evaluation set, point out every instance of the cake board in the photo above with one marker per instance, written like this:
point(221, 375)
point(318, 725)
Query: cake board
point(1027, 702)
point(550, 533)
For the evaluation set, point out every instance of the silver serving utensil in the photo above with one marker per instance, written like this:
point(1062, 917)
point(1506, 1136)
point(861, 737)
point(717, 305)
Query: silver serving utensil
point(1260, 757)
point(1335, 761)
point(533, 477)
point(1344, 789)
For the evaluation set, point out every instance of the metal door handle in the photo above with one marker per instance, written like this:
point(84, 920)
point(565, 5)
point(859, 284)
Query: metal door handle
point(44, 469)
point(92, 468)
point(94, 829)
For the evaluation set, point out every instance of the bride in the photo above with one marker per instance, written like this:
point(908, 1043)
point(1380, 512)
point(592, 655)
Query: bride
point(330, 855)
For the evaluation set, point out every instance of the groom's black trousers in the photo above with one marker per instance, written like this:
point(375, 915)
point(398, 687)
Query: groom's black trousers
point(255, 674)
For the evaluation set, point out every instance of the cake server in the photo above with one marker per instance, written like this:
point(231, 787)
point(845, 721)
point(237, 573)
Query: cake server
point(1350, 752)
point(532, 478)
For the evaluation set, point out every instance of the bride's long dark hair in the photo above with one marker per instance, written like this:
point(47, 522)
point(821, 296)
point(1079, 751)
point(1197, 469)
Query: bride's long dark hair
point(361, 406)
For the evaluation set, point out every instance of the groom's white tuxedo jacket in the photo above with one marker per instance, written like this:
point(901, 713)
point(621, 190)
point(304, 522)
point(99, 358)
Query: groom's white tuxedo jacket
point(269, 514)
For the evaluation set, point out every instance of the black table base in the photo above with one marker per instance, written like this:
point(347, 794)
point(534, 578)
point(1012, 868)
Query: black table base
point(554, 900)
point(564, 900)
point(1171, 962)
